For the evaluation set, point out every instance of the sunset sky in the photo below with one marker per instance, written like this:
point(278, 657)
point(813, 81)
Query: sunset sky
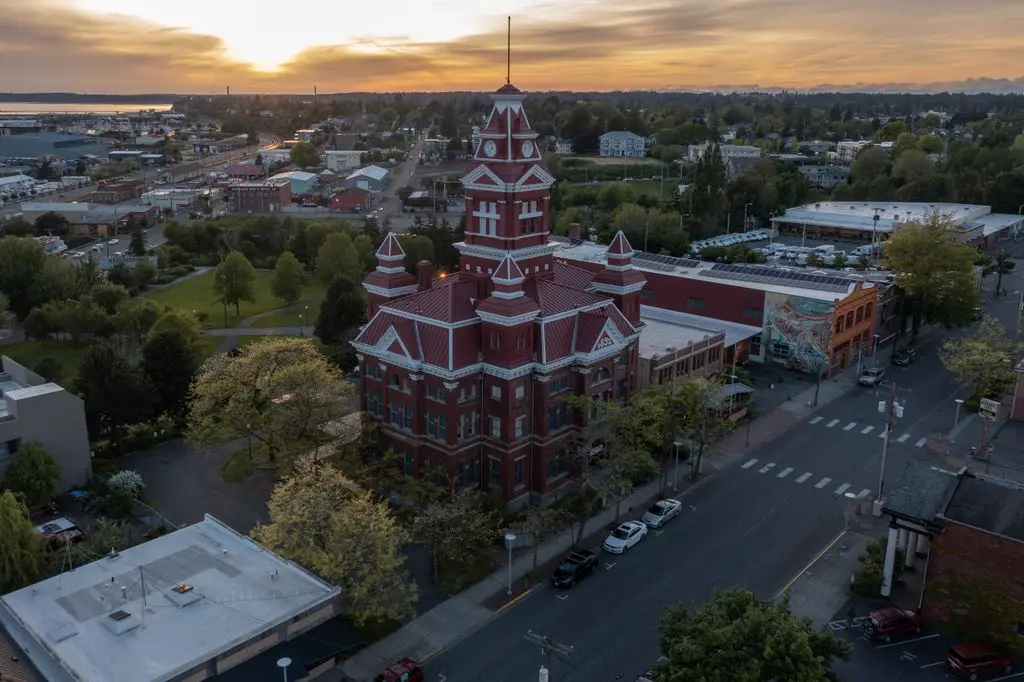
point(200, 46)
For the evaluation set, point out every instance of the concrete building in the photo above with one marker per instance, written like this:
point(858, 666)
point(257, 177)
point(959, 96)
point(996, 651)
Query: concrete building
point(31, 211)
point(815, 147)
point(50, 145)
point(825, 177)
point(117, 192)
point(126, 155)
point(729, 152)
point(19, 126)
point(187, 606)
point(371, 178)
point(209, 147)
point(564, 147)
point(301, 182)
point(275, 156)
point(623, 143)
point(804, 321)
point(35, 410)
point(343, 160)
point(847, 150)
point(172, 198)
point(181, 172)
point(964, 533)
point(15, 184)
point(260, 197)
point(106, 221)
point(305, 135)
point(876, 220)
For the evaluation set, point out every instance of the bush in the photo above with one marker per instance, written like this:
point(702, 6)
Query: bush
point(867, 581)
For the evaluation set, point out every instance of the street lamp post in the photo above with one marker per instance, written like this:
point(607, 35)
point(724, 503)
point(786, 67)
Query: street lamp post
point(892, 411)
point(745, 207)
point(283, 664)
point(956, 416)
point(510, 538)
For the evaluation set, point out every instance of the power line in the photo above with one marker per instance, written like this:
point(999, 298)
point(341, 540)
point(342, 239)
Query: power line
point(549, 648)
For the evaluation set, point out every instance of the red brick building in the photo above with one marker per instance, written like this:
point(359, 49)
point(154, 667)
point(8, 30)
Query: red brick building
point(469, 370)
point(260, 197)
point(351, 200)
point(247, 171)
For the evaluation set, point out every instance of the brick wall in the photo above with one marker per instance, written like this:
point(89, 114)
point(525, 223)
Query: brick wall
point(975, 584)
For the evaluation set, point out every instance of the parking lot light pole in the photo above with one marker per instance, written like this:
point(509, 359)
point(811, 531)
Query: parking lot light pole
point(510, 538)
point(956, 417)
point(892, 410)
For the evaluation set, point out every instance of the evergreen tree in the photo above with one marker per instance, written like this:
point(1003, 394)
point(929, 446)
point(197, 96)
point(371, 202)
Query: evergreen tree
point(138, 243)
point(707, 198)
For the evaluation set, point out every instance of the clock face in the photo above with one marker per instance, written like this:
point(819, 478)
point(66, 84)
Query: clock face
point(490, 149)
point(527, 149)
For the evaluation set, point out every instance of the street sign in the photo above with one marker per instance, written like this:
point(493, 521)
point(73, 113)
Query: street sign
point(988, 408)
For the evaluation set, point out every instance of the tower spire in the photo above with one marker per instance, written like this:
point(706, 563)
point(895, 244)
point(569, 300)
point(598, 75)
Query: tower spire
point(508, 54)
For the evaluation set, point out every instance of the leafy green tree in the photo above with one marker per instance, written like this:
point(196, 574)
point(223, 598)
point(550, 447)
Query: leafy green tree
point(288, 279)
point(1000, 264)
point(931, 144)
point(50, 369)
point(912, 165)
point(337, 256)
point(367, 255)
point(936, 270)
point(22, 554)
point(983, 361)
point(137, 245)
point(52, 223)
point(235, 280)
point(871, 162)
point(169, 362)
point(115, 393)
point(134, 318)
point(343, 309)
point(121, 275)
point(454, 529)
point(33, 474)
point(143, 274)
point(417, 248)
point(180, 322)
point(109, 297)
point(21, 261)
point(305, 155)
point(739, 638)
point(706, 194)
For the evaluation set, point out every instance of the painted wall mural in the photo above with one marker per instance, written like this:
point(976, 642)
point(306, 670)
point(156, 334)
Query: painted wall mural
point(798, 331)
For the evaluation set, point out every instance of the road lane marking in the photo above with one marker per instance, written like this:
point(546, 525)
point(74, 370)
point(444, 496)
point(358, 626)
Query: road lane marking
point(562, 597)
point(932, 665)
point(907, 656)
point(811, 563)
point(864, 493)
point(803, 477)
point(849, 426)
point(1006, 677)
point(785, 472)
point(903, 438)
point(907, 641)
point(831, 423)
point(766, 468)
point(608, 566)
point(842, 489)
point(866, 430)
point(658, 532)
point(822, 483)
point(443, 677)
point(749, 464)
point(920, 443)
point(816, 420)
point(884, 434)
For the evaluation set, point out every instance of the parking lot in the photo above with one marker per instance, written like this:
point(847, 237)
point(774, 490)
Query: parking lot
point(916, 658)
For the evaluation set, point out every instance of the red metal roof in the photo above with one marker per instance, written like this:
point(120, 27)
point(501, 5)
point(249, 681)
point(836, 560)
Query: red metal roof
point(508, 307)
point(572, 276)
point(508, 89)
point(558, 338)
point(389, 280)
point(448, 300)
point(588, 330)
point(556, 298)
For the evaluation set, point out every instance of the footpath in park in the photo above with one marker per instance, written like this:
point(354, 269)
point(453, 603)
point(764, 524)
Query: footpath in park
point(464, 613)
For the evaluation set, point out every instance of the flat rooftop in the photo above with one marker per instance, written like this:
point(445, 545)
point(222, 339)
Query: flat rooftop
point(160, 608)
point(658, 337)
point(859, 215)
point(699, 326)
point(990, 504)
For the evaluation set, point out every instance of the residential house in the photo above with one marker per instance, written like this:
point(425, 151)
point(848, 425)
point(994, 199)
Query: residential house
point(371, 178)
point(564, 147)
point(301, 182)
point(623, 143)
point(343, 159)
point(825, 177)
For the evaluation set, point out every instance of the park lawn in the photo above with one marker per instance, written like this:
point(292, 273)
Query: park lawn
point(197, 293)
point(30, 353)
point(208, 345)
point(308, 308)
point(617, 161)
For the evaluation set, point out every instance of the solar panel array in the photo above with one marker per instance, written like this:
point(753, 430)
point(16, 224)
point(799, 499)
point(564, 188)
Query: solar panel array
point(763, 275)
point(666, 263)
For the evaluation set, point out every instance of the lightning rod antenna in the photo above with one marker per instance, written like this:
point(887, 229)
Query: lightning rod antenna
point(508, 54)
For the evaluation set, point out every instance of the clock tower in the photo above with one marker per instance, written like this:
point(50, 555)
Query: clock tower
point(508, 196)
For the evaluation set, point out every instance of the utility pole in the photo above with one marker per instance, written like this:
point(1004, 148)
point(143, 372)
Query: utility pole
point(548, 647)
point(892, 410)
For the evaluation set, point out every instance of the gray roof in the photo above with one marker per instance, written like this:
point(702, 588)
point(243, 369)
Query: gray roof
point(990, 504)
point(373, 172)
point(920, 493)
point(620, 135)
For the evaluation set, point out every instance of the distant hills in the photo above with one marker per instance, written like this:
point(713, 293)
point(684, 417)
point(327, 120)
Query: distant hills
point(86, 98)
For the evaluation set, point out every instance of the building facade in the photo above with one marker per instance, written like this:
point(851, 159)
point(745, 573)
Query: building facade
point(117, 192)
point(825, 177)
point(623, 143)
point(371, 178)
point(351, 200)
point(260, 197)
point(729, 151)
point(469, 371)
point(181, 172)
point(343, 159)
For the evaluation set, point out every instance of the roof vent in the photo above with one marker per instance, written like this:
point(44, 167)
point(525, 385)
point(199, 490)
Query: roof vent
point(670, 349)
point(120, 622)
point(182, 589)
point(183, 595)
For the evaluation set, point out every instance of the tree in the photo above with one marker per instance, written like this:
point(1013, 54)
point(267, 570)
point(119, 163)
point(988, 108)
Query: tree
point(143, 274)
point(364, 247)
point(342, 309)
point(180, 322)
point(109, 297)
point(21, 261)
point(912, 165)
point(707, 192)
point(454, 528)
point(288, 279)
point(417, 248)
point(540, 524)
point(739, 638)
point(134, 318)
point(325, 522)
point(869, 164)
point(338, 256)
point(21, 553)
point(936, 271)
point(52, 223)
point(33, 474)
point(169, 362)
point(1000, 264)
point(121, 275)
point(931, 144)
point(305, 155)
point(115, 393)
point(282, 392)
point(137, 246)
point(983, 361)
point(235, 280)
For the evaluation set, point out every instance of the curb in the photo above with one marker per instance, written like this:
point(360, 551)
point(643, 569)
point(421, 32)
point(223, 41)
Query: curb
point(817, 557)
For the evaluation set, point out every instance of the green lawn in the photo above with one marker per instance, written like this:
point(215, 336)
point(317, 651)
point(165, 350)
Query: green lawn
point(615, 161)
point(290, 318)
point(197, 293)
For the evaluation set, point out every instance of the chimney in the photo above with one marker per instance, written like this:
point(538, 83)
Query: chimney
point(575, 230)
point(425, 274)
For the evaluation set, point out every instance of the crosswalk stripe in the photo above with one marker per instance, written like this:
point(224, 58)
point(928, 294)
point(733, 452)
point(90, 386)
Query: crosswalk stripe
point(920, 443)
point(842, 489)
point(864, 493)
point(804, 477)
point(832, 423)
point(816, 420)
point(822, 483)
point(903, 438)
point(766, 468)
point(866, 430)
point(849, 426)
point(883, 434)
point(749, 464)
point(785, 472)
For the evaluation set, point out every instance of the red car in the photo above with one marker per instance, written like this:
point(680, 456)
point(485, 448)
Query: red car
point(406, 670)
point(978, 661)
point(891, 622)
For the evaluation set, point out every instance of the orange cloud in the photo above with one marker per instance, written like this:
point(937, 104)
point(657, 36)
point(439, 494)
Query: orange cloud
point(593, 45)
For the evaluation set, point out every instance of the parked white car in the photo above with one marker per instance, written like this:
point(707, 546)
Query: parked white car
point(626, 536)
point(662, 512)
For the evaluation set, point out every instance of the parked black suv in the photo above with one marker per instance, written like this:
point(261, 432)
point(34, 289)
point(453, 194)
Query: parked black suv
point(905, 357)
point(574, 568)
